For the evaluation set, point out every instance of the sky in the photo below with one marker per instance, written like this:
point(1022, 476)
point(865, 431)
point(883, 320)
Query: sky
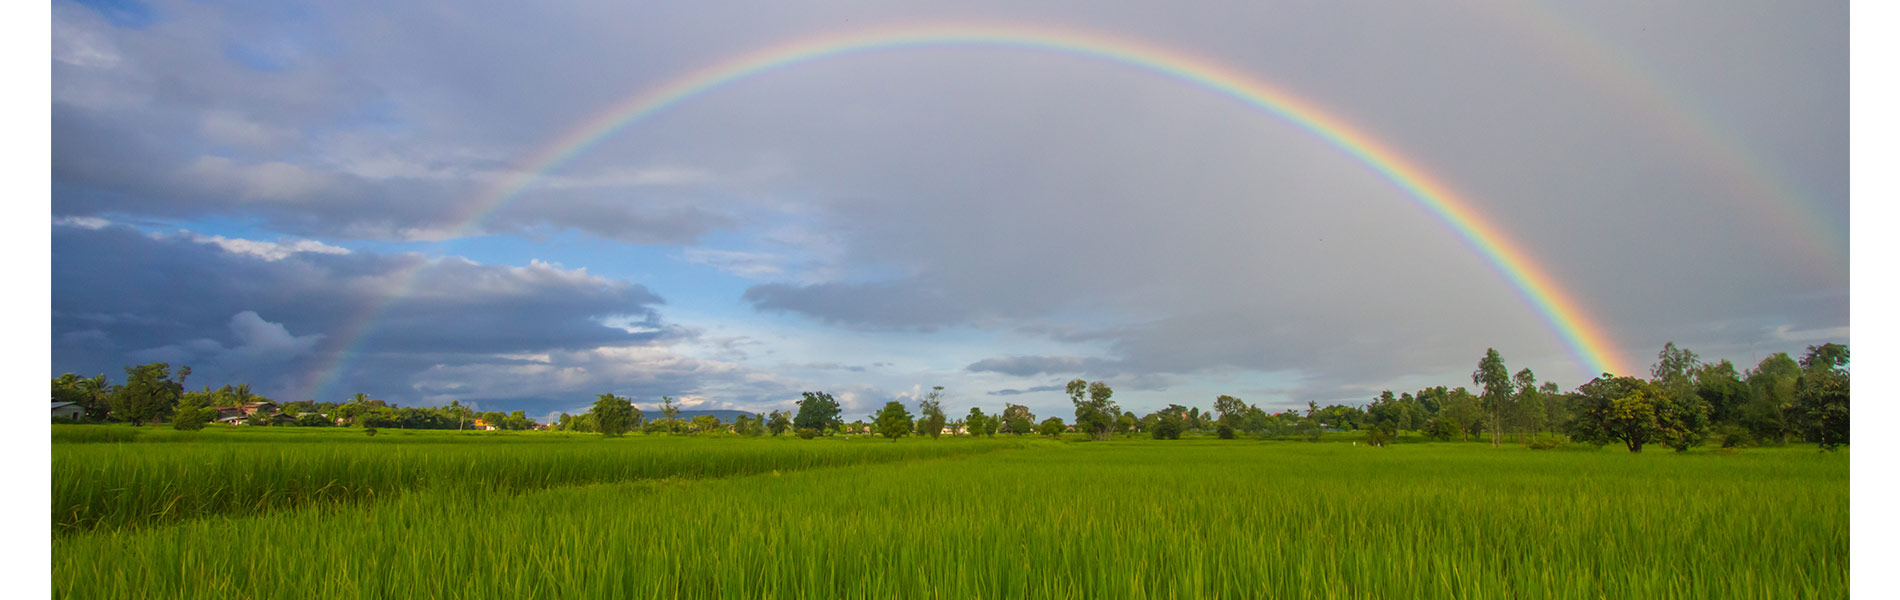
point(298, 196)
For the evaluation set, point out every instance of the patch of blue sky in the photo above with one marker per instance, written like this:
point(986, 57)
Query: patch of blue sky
point(128, 14)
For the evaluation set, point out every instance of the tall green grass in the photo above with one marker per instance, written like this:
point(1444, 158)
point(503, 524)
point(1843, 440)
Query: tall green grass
point(1115, 520)
point(141, 484)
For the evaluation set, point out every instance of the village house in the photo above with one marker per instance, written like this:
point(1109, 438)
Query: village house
point(68, 410)
point(237, 414)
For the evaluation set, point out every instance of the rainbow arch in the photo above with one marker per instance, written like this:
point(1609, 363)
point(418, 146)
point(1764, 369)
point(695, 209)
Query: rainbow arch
point(1587, 340)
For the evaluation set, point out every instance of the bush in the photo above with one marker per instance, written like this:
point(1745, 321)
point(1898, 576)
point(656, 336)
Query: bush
point(1546, 443)
point(806, 433)
point(1225, 431)
point(370, 431)
point(313, 420)
point(1734, 437)
point(1382, 434)
point(1444, 429)
point(1166, 429)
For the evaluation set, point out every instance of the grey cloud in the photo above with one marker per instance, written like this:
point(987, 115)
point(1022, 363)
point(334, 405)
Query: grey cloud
point(1032, 390)
point(121, 296)
point(1024, 366)
point(867, 305)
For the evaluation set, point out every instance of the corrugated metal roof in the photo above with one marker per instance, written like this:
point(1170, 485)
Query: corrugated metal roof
point(59, 404)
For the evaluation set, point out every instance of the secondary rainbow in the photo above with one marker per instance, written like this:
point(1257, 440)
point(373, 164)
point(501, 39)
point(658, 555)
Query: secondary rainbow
point(1589, 342)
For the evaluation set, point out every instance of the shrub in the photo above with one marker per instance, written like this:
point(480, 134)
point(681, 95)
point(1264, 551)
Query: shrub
point(1546, 443)
point(1382, 434)
point(313, 420)
point(370, 431)
point(1734, 437)
point(806, 433)
point(1225, 431)
point(191, 418)
point(1166, 429)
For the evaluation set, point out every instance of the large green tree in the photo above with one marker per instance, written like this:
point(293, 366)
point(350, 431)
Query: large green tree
point(1095, 415)
point(149, 392)
point(893, 421)
point(1051, 427)
point(1772, 385)
point(612, 415)
point(1821, 395)
point(1632, 411)
point(1018, 419)
point(1232, 410)
point(818, 411)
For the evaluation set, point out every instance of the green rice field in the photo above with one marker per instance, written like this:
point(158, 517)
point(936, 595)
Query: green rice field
point(263, 514)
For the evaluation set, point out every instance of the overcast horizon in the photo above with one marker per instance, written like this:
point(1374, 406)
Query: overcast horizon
point(298, 196)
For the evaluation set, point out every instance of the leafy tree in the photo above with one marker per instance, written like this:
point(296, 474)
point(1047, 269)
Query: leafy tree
point(749, 425)
point(1444, 428)
point(806, 433)
point(1129, 423)
point(1097, 415)
point(1722, 389)
point(1170, 422)
point(1495, 379)
point(893, 421)
point(1772, 385)
point(612, 415)
point(707, 425)
point(931, 409)
point(1530, 402)
point(1051, 427)
point(1634, 412)
point(818, 412)
point(979, 423)
point(1231, 410)
point(1821, 395)
point(148, 393)
point(779, 423)
point(1018, 420)
point(1309, 426)
point(670, 416)
point(313, 420)
point(1382, 433)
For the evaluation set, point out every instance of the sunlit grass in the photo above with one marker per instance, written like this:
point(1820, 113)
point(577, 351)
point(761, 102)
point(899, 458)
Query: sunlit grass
point(1191, 519)
point(113, 485)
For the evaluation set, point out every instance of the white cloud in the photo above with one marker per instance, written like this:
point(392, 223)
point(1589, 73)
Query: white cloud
point(81, 222)
point(268, 250)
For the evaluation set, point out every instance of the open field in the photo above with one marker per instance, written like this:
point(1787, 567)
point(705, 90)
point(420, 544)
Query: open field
point(956, 519)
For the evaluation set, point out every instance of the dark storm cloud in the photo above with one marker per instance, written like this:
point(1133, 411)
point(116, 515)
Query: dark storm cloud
point(120, 296)
point(1168, 229)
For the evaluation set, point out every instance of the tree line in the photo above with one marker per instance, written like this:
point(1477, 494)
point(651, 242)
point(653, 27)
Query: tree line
point(1684, 403)
point(154, 393)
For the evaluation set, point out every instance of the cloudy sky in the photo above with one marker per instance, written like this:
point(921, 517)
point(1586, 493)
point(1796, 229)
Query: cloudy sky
point(282, 193)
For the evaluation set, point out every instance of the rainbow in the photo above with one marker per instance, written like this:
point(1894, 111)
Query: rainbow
point(1589, 342)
